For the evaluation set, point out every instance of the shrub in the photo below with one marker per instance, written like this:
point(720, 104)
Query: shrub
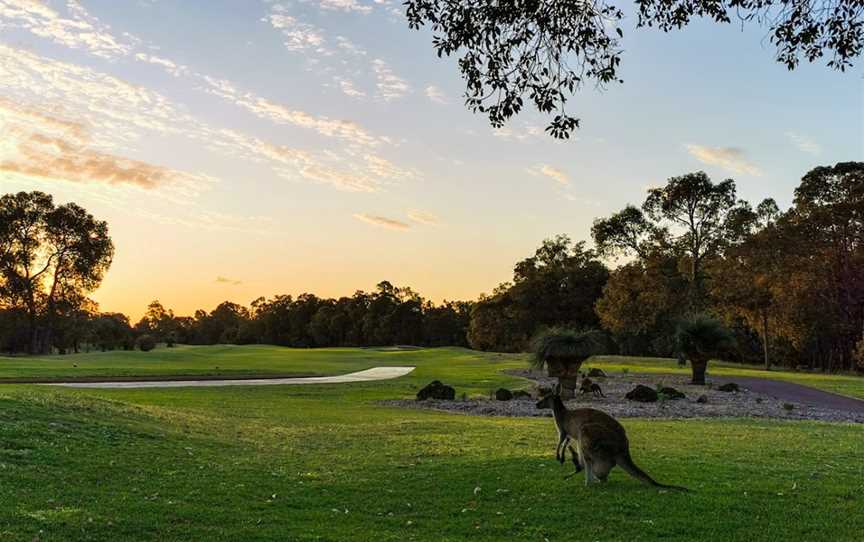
point(701, 338)
point(146, 343)
point(557, 343)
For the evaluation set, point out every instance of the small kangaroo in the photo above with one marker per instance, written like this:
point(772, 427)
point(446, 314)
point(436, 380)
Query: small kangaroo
point(589, 386)
point(601, 442)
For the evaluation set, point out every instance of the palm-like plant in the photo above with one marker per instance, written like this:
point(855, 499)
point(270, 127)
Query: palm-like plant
point(562, 351)
point(701, 338)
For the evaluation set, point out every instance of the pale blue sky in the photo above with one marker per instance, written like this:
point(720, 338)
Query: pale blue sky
point(321, 145)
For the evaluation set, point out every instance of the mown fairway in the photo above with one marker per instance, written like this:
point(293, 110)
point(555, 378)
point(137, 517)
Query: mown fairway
point(327, 463)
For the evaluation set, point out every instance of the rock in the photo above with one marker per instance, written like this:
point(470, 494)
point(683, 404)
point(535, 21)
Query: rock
point(436, 390)
point(643, 394)
point(521, 394)
point(703, 399)
point(503, 394)
point(671, 394)
point(729, 387)
point(596, 373)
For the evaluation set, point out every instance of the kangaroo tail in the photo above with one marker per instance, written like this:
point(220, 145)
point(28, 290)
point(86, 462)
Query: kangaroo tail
point(626, 463)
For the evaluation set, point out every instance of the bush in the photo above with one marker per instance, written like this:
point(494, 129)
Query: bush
point(146, 343)
point(563, 343)
point(701, 338)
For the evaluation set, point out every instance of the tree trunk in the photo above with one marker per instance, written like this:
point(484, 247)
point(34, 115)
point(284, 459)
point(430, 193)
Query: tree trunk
point(699, 369)
point(765, 340)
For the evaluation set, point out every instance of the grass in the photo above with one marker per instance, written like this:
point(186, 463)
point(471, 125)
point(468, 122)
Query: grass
point(229, 360)
point(307, 463)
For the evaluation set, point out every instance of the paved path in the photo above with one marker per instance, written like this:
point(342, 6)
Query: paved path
point(376, 373)
point(796, 393)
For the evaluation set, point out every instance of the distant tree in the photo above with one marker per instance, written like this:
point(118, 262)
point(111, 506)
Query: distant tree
point(111, 331)
point(512, 51)
point(50, 258)
point(157, 321)
point(146, 343)
point(446, 324)
point(745, 281)
point(690, 215)
point(702, 338)
point(558, 285)
point(641, 304)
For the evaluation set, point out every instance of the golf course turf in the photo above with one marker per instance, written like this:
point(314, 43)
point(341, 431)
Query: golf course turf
point(326, 462)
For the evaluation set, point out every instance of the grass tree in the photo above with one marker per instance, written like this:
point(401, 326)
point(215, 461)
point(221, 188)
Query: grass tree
point(562, 351)
point(701, 338)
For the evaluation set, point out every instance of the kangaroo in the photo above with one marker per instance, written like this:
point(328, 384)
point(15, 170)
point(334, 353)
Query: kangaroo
point(601, 442)
point(589, 386)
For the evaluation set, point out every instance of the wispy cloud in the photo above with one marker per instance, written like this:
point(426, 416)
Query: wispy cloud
point(525, 134)
point(553, 173)
point(41, 146)
point(804, 143)
point(436, 95)
point(225, 280)
point(75, 28)
point(168, 65)
point(299, 36)
point(383, 222)
point(390, 86)
point(347, 87)
point(422, 217)
point(280, 114)
point(731, 159)
point(344, 5)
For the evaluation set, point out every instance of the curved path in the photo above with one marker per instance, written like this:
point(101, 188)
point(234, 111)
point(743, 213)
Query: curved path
point(796, 393)
point(375, 373)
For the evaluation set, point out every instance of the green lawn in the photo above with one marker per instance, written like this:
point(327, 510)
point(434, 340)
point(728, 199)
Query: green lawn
point(230, 360)
point(326, 463)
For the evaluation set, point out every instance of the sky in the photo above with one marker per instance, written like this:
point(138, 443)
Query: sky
point(246, 148)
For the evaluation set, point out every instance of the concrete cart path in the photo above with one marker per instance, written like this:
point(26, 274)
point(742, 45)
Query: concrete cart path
point(375, 373)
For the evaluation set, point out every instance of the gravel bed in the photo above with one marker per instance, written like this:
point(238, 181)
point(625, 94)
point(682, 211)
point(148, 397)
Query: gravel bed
point(719, 404)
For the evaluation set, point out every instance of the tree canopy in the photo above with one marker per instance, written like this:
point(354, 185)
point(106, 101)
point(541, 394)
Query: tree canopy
point(542, 51)
point(51, 257)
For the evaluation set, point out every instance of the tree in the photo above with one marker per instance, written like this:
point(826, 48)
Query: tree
point(701, 338)
point(745, 281)
point(558, 285)
point(690, 216)
point(641, 303)
point(544, 51)
point(50, 257)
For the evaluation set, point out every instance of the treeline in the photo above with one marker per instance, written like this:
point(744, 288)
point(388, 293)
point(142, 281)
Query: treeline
point(790, 284)
point(387, 316)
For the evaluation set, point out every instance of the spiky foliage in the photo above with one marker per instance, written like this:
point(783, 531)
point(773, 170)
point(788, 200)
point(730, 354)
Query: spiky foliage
point(563, 343)
point(703, 337)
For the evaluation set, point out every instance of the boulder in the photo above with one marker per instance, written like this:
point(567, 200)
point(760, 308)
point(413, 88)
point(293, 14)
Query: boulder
point(643, 394)
point(729, 387)
point(521, 394)
point(671, 393)
point(702, 399)
point(503, 394)
point(436, 390)
point(596, 373)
